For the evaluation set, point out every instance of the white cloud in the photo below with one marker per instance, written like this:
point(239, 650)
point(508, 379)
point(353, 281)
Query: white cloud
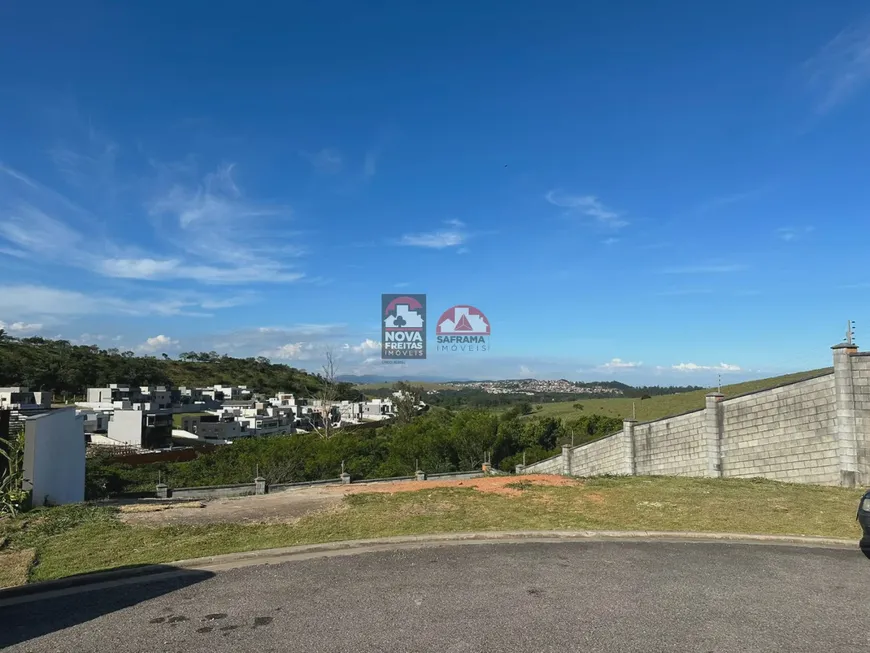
point(841, 68)
point(326, 161)
point(366, 346)
point(527, 371)
point(789, 234)
point(619, 364)
point(24, 302)
point(20, 328)
point(692, 367)
point(586, 205)
point(721, 268)
point(294, 351)
point(212, 234)
point(218, 225)
point(610, 241)
point(157, 343)
point(441, 239)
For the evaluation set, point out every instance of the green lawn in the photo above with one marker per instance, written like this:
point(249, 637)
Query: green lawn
point(662, 405)
point(82, 538)
point(176, 418)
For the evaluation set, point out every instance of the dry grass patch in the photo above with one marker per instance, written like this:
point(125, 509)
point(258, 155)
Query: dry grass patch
point(15, 567)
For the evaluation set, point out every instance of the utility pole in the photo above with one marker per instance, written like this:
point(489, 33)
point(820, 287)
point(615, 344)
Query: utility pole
point(719, 385)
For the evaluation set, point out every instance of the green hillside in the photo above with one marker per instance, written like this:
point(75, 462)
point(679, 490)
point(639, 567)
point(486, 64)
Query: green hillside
point(664, 405)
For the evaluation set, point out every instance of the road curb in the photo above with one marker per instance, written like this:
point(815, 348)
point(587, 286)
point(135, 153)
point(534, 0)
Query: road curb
point(351, 547)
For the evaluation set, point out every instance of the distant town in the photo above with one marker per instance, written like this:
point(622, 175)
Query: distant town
point(534, 387)
point(155, 417)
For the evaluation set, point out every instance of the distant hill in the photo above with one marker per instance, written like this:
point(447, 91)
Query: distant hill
point(667, 404)
point(67, 369)
point(374, 379)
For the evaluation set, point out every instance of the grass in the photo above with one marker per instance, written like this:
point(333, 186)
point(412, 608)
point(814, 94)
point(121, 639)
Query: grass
point(662, 405)
point(83, 538)
point(176, 418)
point(15, 567)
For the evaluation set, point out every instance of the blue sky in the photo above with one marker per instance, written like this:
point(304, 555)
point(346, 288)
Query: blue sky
point(652, 192)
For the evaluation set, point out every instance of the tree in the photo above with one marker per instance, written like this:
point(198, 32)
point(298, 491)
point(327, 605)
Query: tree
point(407, 401)
point(327, 396)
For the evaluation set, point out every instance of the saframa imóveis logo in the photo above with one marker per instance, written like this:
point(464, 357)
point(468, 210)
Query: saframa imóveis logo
point(462, 328)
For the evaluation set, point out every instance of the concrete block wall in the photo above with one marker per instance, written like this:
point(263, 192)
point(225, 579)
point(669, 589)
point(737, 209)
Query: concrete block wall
point(671, 447)
point(604, 456)
point(548, 466)
point(813, 431)
point(787, 434)
point(860, 374)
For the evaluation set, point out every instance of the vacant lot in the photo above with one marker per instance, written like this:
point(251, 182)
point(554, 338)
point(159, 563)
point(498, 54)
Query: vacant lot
point(662, 405)
point(81, 538)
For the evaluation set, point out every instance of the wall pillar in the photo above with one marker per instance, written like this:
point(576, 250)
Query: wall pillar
point(345, 478)
point(420, 475)
point(520, 469)
point(567, 455)
point(628, 434)
point(713, 434)
point(259, 485)
point(162, 491)
point(844, 398)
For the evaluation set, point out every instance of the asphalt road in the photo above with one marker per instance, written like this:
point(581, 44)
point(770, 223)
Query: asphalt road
point(525, 597)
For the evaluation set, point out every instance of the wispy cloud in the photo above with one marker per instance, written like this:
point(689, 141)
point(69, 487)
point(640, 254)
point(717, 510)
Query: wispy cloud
point(159, 343)
point(370, 163)
point(328, 161)
point(680, 292)
point(789, 234)
point(586, 206)
point(711, 268)
point(610, 241)
point(454, 236)
point(207, 221)
point(52, 305)
point(841, 68)
point(692, 367)
point(728, 199)
point(619, 364)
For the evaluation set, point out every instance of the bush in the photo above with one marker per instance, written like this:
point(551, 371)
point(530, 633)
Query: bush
point(438, 441)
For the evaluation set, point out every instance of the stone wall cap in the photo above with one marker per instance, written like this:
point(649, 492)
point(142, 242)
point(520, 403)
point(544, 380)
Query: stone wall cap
point(845, 345)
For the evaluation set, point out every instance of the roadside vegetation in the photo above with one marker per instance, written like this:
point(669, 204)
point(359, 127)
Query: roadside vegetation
point(437, 441)
point(56, 542)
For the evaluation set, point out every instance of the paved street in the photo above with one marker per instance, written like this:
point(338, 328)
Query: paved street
point(609, 597)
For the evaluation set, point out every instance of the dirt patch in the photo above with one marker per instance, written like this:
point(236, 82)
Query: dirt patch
point(489, 484)
point(291, 505)
point(157, 507)
point(280, 507)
